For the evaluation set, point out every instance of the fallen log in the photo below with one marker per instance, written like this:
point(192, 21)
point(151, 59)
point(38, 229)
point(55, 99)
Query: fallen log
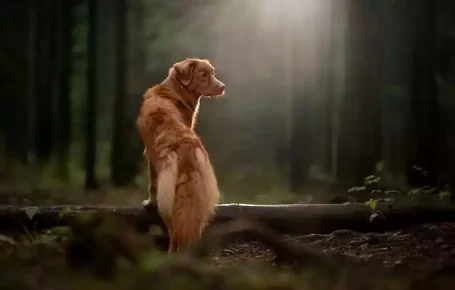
point(293, 219)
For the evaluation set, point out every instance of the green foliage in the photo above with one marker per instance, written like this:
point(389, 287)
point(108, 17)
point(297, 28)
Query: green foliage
point(31, 211)
point(371, 179)
point(357, 189)
point(371, 203)
point(445, 195)
point(375, 214)
point(63, 212)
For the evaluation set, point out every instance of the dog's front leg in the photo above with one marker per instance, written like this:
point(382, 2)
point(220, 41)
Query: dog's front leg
point(151, 201)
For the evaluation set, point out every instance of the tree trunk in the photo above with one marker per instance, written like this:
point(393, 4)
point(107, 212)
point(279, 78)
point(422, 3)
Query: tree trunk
point(46, 51)
point(301, 91)
point(323, 95)
point(302, 145)
point(13, 119)
point(359, 141)
point(137, 78)
point(91, 120)
point(339, 30)
point(13, 99)
point(289, 115)
point(294, 219)
point(395, 97)
point(430, 141)
point(122, 173)
point(65, 45)
point(137, 83)
point(327, 80)
point(32, 78)
point(105, 73)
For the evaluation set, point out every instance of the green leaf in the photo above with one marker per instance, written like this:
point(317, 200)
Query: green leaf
point(445, 195)
point(371, 203)
point(63, 212)
point(357, 188)
point(31, 211)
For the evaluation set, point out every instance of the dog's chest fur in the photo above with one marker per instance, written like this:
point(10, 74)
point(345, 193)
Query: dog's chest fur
point(189, 117)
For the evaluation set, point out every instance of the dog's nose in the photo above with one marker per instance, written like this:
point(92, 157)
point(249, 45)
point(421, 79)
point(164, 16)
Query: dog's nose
point(222, 86)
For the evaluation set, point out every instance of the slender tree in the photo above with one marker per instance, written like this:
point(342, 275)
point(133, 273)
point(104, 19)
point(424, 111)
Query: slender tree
point(302, 90)
point(119, 143)
point(395, 95)
point(46, 53)
point(430, 137)
point(91, 120)
point(31, 79)
point(328, 80)
point(13, 59)
point(359, 140)
point(65, 45)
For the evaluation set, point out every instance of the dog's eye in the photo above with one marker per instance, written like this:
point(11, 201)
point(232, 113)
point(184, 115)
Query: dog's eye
point(204, 74)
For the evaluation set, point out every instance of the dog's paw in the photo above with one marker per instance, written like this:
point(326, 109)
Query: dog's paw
point(148, 204)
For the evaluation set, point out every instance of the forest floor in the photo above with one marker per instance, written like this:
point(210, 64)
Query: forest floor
point(419, 257)
point(424, 250)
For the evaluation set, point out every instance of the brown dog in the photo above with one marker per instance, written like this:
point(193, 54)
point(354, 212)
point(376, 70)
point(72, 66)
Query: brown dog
point(183, 184)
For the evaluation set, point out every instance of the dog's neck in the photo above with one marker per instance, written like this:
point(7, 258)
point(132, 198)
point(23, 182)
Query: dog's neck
point(184, 94)
point(186, 98)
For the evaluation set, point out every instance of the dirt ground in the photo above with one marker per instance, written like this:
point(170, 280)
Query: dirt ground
point(426, 247)
point(425, 251)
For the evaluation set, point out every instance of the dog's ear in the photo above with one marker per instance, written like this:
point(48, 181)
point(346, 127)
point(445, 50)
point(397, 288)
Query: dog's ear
point(184, 70)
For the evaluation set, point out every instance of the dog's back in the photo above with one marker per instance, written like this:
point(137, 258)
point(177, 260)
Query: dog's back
point(161, 124)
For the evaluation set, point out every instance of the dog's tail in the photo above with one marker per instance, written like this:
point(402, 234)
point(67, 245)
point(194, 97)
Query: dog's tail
point(166, 184)
point(195, 198)
point(208, 187)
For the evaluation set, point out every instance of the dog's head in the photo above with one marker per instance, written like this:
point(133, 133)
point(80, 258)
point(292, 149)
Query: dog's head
point(198, 76)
